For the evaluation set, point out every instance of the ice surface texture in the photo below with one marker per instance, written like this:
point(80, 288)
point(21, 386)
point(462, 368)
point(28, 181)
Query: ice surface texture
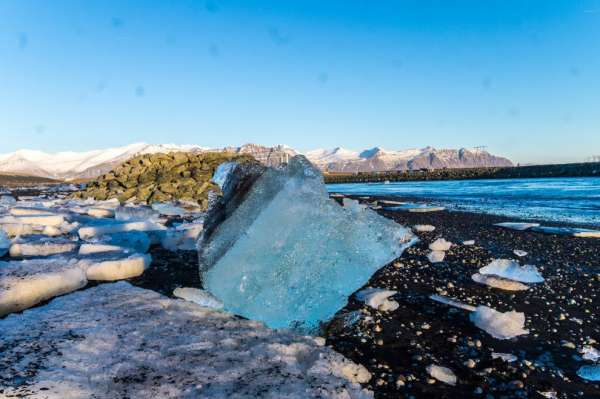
point(290, 256)
point(116, 340)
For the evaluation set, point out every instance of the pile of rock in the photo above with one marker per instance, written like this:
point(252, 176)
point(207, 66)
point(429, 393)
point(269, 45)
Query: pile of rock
point(154, 178)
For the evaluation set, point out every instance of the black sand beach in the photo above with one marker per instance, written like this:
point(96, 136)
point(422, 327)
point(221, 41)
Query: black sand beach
point(561, 315)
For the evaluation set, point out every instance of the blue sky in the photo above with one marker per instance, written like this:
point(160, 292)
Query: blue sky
point(522, 77)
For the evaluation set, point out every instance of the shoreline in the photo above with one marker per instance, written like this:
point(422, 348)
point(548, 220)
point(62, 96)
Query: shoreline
point(397, 346)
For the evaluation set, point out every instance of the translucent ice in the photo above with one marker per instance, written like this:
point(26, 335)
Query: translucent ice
point(182, 237)
point(443, 374)
point(440, 245)
point(290, 256)
point(116, 268)
point(436, 256)
point(26, 283)
point(499, 325)
point(517, 225)
point(168, 209)
point(499, 282)
point(138, 241)
point(378, 299)
point(153, 229)
point(4, 243)
point(35, 245)
point(135, 213)
point(511, 270)
point(198, 296)
point(590, 373)
point(90, 249)
point(423, 228)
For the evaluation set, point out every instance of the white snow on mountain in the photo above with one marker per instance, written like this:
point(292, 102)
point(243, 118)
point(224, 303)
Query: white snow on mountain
point(90, 164)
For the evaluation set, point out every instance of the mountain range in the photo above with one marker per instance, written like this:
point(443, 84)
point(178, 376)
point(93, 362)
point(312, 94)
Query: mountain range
point(90, 164)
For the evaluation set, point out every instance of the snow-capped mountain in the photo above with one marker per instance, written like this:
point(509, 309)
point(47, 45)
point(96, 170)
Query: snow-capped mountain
point(378, 159)
point(71, 165)
point(90, 164)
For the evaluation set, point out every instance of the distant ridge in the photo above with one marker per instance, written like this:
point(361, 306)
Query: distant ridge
point(91, 164)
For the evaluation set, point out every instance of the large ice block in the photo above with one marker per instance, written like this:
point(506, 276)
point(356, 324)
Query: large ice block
point(290, 256)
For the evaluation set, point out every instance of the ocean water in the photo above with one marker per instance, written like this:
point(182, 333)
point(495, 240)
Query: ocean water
point(573, 200)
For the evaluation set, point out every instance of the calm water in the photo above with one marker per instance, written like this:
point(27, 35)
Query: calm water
point(575, 200)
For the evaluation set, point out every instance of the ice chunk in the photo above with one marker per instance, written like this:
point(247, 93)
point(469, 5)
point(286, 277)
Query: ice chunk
point(378, 299)
point(511, 270)
point(99, 212)
point(468, 242)
point(138, 241)
point(41, 246)
point(436, 256)
point(168, 209)
point(499, 325)
point(499, 282)
point(425, 209)
point(423, 228)
point(590, 353)
point(440, 245)
point(90, 249)
point(520, 253)
point(569, 231)
point(183, 237)
point(28, 211)
point(7, 200)
point(288, 255)
point(517, 225)
point(4, 243)
point(26, 283)
point(89, 232)
point(135, 213)
point(96, 342)
point(42, 219)
point(20, 229)
point(118, 268)
point(198, 296)
point(443, 374)
point(222, 173)
point(590, 373)
point(507, 357)
point(452, 302)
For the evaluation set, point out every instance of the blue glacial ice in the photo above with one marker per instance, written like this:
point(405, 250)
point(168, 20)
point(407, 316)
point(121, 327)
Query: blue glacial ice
point(290, 256)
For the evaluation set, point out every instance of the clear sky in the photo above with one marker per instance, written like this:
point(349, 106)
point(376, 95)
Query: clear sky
point(522, 77)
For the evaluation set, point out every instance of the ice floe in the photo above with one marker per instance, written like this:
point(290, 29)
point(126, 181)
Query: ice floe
point(378, 299)
point(115, 268)
point(440, 245)
point(26, 283)
point(511, 270)
point(303, 254)
point(500, 325)
point(116, 340)
point(198, 296)
point(499, 282)
point(443, 374)
point(35, 245)
point(423, 228)
point(436, 256)
point(517, 225)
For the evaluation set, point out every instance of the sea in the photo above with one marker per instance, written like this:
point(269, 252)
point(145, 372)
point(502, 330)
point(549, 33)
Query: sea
point(571, 200)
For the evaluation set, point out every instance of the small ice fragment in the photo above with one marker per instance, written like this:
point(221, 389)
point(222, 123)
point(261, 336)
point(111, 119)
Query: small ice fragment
point(468, 242)
point(99, 212)
point(436, 256)
point(442, 374)
point(7, 200)
point(183, 237)
point(423, 228)
point(507, 357)
point(590, 353)
point(377, 299)
point(520, 253)
point(548, 394)
point(390, 202)
point(4, 243)
point(168, 209)
point(26, 283)
point(517, 225)
point(452, 302)
point(499, 282)
point(27, 210)
point(440, 245)
point(499, 325)
point(198, 296)
point(138, 241)
point(511, 270)
point(425, 209)
point(135, 213)
point(117, 268)
point(590, 373)
point(41, 246)
point(89, 249)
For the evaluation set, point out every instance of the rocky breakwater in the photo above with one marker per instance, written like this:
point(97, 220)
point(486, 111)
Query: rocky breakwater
point(152, 178)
